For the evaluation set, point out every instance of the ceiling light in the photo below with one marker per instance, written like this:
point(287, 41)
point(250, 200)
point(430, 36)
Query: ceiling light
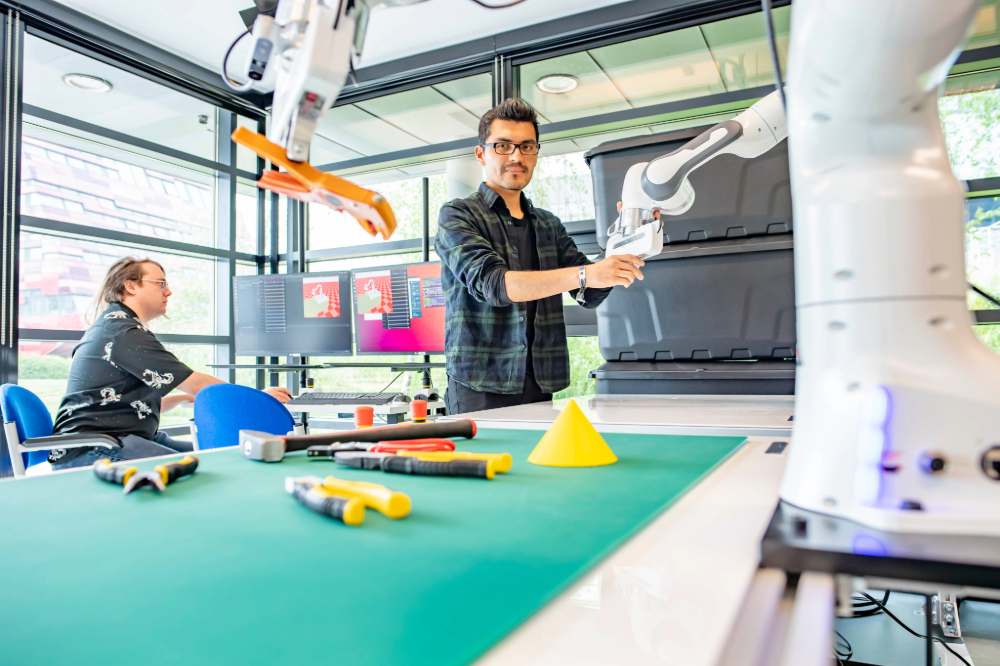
point(87, 83)
point(557, 84)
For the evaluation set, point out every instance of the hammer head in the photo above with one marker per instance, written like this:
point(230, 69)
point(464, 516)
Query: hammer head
point(264, 446)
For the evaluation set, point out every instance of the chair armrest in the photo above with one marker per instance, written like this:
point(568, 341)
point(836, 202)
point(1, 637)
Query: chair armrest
point(70, 441)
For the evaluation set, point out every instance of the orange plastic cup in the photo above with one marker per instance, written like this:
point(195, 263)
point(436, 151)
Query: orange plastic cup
point(364, 416)
point(418, 410)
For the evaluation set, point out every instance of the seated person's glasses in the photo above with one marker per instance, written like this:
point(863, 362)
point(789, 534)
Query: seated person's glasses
point(162, 283)
point(508, 148)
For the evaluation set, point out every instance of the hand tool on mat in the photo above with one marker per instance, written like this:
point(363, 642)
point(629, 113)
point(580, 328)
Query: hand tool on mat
point(400, 464)
point(311, 493)
point(272, 448)
point(503, 460)
point(326, 451)
point(388, 502)
point(132, 479)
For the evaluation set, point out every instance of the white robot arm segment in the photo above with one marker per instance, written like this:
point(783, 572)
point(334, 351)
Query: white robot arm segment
point(662, 186)
point(314, 43)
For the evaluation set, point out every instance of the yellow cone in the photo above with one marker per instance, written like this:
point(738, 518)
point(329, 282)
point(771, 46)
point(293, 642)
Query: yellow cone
point(572, 442)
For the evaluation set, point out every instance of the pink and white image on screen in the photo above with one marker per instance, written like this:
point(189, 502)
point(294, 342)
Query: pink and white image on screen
point(374, 294)
point(320, 297)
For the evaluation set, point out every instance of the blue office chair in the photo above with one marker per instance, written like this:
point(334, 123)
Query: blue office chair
point(222, 410)
point(28, 428)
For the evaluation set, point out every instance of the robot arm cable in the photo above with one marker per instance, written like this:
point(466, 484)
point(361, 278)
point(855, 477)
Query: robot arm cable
point(769, 29)
point(233, 85)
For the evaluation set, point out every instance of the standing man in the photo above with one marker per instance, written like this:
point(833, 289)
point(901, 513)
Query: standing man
point(121, 375)
point(504, 267)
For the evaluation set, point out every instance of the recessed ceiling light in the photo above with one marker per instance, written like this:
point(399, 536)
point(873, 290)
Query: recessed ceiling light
point(557, 84)
point(87, 83)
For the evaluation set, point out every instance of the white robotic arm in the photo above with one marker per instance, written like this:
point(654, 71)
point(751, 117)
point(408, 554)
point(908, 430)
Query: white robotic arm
point(662, 186)
point(315, 43)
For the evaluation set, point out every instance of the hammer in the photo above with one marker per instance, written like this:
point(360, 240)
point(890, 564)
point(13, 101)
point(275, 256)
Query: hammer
point(257, 445)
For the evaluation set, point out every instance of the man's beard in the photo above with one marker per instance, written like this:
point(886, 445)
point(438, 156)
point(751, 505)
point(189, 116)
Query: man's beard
point(511, 184)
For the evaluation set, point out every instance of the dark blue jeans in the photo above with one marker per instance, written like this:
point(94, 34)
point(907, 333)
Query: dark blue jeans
point(132, 448)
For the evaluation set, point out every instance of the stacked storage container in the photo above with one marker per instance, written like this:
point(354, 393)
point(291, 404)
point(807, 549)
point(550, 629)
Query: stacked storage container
point(716, 310)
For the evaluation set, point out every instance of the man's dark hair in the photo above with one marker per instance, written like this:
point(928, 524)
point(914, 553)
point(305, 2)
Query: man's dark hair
point(514, 110)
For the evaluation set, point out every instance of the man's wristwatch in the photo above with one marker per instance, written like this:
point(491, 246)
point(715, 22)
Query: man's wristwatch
point(583, 285)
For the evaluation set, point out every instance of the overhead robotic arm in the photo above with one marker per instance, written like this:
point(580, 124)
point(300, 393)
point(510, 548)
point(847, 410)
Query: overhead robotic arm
point(312, 44)
point(662, 185)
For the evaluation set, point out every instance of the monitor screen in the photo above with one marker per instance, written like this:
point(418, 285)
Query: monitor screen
point(399, 309)
point(308, 314)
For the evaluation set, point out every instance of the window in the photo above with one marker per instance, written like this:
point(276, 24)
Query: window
point(134, 105)
point(694, 62)
point(413, 119)
point(135, 200)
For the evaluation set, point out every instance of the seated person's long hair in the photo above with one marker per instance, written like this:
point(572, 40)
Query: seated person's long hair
point(113, 286)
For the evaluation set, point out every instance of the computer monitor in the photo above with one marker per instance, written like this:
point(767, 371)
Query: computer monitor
point(308, 314)
point(399, 309)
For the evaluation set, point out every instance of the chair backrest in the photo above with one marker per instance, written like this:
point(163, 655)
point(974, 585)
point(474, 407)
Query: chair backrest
point(32, 417)
point(222, 410)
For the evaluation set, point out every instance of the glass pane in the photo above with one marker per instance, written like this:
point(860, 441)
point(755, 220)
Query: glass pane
point(367, 262)
point(985, 28)
point(411, 119)
point(740, 48)
point(196, 357)
point(246, 217)
point(60, 276)
point(134, 105)
point(43, 369)
point(970, 124)
point(246, 269)
point(246, 159)
point(329, 228)
point(561, 184)
point(67, 179)
point(584, 356)
point(693, 62)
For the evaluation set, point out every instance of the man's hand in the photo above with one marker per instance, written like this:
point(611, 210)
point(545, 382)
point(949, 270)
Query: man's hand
point(283, 395)
point(621, 269)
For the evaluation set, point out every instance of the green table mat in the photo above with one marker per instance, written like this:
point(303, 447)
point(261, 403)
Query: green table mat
point(226, 568)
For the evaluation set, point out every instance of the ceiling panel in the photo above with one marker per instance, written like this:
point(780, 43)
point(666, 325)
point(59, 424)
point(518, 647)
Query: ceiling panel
point(661, 68)
point(595, 93)
point(364, 133)
point(424, 113)
point(473, 93)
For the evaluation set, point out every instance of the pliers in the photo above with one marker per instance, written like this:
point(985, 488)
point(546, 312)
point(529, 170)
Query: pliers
point(131, 478)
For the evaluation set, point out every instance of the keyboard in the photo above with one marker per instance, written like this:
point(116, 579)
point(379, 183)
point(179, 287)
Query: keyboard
point(343, 399)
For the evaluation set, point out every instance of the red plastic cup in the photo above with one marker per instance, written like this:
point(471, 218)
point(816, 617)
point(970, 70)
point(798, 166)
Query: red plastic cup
point(418, 410)
point(364, 416)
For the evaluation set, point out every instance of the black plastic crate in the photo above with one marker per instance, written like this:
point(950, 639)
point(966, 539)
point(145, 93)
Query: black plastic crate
point(729, 299)
point(734, 197)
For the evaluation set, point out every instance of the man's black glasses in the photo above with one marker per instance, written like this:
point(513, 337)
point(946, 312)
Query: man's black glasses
point(508, 148)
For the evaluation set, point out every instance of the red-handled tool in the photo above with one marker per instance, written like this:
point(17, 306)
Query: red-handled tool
point(272, 448)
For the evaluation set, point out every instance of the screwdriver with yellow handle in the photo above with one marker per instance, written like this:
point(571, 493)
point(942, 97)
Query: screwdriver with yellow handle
point(311, 493)
point(388, 502)
point(502, 461)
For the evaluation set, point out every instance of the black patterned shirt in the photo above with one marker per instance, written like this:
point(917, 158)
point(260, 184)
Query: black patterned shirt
point(120, 371)
point(485, 333)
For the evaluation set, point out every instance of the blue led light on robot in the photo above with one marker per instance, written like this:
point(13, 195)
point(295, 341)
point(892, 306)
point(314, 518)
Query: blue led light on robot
point(872, 445)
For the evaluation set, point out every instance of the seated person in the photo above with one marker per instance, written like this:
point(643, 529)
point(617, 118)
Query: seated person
point(121, 374)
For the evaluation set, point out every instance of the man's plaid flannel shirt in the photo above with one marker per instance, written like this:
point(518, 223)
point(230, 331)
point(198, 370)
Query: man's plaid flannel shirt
point(485, 333)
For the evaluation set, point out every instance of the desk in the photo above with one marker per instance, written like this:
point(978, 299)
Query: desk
point(744, 415)
point(668, 595)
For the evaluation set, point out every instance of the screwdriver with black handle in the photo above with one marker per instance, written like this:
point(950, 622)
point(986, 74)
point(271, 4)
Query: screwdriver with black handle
point(394, 464)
